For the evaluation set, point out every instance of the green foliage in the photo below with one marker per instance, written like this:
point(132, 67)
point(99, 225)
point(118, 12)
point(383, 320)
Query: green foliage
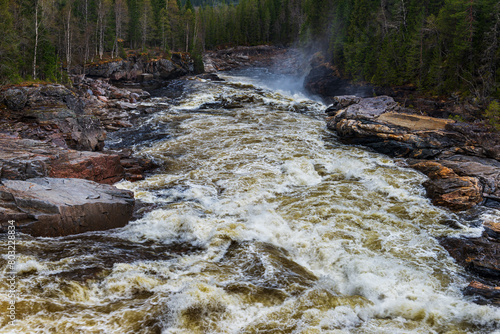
point(121, 51)
point(197, 55)
point(457, 118)
point(48, 66)
point(492, 114)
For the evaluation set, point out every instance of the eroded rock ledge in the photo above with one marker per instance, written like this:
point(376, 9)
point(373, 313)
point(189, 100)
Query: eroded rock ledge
point(461, 160)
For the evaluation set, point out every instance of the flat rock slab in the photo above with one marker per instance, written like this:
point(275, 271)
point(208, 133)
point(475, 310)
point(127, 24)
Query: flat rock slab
point(52, 207)
point(414, 122)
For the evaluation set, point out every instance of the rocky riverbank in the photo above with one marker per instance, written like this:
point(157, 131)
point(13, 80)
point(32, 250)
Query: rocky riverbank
point(52, 136)
point(461, 160)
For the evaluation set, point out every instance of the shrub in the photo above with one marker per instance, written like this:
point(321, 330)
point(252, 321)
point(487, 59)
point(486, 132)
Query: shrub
point(492, 114)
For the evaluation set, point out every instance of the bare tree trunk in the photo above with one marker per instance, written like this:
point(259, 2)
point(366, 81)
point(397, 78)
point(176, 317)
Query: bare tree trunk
point(471, 20)
point(68, 40)
point(403, 8)
point(100, 27)
point(187, 36)
point(383, 5)
point(87, 48)
point(36, 40)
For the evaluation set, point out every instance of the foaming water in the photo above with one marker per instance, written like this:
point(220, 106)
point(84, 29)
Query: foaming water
point(255, 224)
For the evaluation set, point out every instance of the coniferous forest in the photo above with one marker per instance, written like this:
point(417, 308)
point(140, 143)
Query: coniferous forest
point(439, 46)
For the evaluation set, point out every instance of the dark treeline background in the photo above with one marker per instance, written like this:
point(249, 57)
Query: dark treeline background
point(439, 46)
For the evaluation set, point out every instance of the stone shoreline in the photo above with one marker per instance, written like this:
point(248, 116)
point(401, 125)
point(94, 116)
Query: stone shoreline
point(52, 140)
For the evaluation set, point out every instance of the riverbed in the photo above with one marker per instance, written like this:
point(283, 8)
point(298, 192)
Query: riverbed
point(257, 221)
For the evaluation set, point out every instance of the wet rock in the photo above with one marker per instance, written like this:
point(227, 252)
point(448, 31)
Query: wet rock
point(210, 76)
point(53, 207)
point(486, 294)
point(492, 229)
point(267, 266)
point(480, 256)
point(146, 77)
point(134, 167)
point(448, 189)
point(341, 102)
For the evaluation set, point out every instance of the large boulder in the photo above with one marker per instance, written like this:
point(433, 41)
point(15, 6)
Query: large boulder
point(376, 123)
point(52, 207)
point(15, 98)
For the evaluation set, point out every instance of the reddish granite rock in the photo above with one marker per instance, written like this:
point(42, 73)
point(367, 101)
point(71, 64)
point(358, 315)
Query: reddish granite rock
point(21, 159)
point(102, 168)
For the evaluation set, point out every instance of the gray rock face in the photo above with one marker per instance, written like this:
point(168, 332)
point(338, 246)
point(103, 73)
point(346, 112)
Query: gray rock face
point(15, 98)
point(57, 113)
point(52, 207)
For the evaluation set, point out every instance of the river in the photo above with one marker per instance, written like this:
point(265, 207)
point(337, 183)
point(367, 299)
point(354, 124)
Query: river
point(257, 221)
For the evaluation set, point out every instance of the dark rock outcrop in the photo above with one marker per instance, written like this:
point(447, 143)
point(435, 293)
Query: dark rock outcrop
point(52, 207)
point(479, 255)
point(481, 258)
point(483, 293)
point(139, 68)
point(51, 112)
point(243, 56)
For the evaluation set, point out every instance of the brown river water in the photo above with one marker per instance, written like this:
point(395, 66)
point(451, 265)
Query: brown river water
point(259, 221)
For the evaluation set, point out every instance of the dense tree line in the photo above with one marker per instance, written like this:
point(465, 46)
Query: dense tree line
point(43, 38)
point(437, 45)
